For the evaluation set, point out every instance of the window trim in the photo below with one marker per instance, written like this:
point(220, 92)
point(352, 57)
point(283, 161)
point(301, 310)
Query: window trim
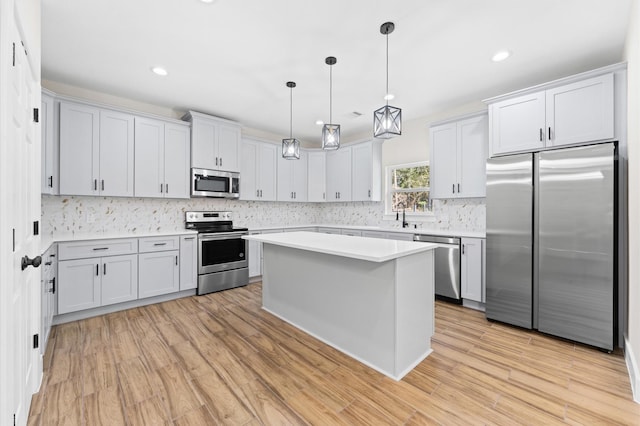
point(391, 215)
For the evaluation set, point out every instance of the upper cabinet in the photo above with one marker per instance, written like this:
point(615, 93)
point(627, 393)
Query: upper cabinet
point(458, 157)
point(258, 170)
point(366, 171)
point(49, 152)
point(215, 143)
point(579, 111)
point(316, 176)
point(339, 174)
point(292, 178)
point(161, 159)
point(96, 151)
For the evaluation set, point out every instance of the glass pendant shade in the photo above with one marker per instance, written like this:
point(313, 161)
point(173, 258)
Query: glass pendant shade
point(291, 149)
point(330, 137)
point(387, 122)
point(291, 146)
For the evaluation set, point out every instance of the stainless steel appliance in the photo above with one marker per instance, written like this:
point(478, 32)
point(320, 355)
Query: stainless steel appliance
point(215, 183)
point(551, 242)
point(222, 253)
point(447, 266)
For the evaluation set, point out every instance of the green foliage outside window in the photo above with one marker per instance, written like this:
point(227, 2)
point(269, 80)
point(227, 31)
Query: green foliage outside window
point(410, 189)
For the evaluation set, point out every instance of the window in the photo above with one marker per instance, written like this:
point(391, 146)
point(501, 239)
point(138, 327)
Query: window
point(408, 188)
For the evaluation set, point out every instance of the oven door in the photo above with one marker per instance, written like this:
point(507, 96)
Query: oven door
point(221, 251)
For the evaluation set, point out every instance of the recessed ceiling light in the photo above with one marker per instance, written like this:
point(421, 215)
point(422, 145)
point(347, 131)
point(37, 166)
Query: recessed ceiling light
point(159, 71)
point(389, 96)
point(319, 122)
point(501, 56)
point(208, 1)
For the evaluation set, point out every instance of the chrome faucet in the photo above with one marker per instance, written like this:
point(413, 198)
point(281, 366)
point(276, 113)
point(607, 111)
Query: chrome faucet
point(405, 224)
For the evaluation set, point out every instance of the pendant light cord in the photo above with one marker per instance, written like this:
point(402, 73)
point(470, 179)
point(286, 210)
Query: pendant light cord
point(386, 95)
point(330, 94)
point(291, 113)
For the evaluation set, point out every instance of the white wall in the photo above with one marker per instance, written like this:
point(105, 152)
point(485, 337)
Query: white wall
point(632, 55)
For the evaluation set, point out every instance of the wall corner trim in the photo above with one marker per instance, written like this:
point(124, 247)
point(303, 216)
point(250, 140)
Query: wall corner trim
point(634, 372)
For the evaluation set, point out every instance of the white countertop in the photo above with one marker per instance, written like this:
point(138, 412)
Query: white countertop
point(46, 241)
point(370, 249)
point(422, 231)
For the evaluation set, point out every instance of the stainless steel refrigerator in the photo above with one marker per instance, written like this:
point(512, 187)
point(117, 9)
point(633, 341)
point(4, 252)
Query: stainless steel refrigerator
point(551, 242)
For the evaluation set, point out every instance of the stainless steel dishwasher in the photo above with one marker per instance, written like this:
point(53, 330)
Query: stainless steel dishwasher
point(447, 265)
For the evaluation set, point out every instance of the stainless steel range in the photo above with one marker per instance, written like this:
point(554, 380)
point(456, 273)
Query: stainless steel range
point(222, 253)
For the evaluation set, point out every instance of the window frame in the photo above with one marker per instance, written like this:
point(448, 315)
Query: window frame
point(389, 214)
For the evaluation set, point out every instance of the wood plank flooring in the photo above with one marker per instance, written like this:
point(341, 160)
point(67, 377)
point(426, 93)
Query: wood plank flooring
point(220, 359)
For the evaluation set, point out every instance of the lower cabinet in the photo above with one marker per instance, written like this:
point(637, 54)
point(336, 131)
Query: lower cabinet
point(95, 273)
point(188, 262)
point(97, 281)
point(472, 269)
point(159, 267)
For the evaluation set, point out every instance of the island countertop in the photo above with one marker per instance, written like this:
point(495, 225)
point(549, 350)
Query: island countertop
point(363, 248)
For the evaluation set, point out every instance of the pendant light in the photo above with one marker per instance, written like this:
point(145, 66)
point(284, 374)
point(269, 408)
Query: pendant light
point(387, 121)
point(291, 146)
point(330, 132)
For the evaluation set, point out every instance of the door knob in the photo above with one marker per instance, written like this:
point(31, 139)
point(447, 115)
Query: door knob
point(35, 262)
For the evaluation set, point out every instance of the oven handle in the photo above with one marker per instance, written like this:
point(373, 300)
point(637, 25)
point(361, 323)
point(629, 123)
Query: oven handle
point(221, 236)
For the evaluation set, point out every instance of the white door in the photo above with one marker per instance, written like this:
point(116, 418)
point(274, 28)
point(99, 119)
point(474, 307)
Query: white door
point(20, 363)
point(518, 124)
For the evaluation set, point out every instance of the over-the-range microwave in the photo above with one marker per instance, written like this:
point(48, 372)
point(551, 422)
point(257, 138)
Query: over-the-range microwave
point(215, 183)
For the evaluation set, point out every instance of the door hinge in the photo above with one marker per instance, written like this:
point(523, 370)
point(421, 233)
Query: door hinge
point(36, 115)
point(35, 341)
point(36, 228)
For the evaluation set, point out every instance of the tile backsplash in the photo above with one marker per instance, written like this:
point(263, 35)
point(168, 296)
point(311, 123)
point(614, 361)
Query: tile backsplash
point(64, 216)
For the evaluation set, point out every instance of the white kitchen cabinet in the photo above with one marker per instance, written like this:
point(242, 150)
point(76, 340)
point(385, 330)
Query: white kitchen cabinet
point(96, 151)
point(366, 171)
point(96, 273)
point(158, 266)
point(339, 175)
point(316, 176)
point(373, 234)
point(292, 178)
point(326, 230)
point(119, 279)
point(188, 262)
point(258, 170)
point(471, 269)
point(351, 232)
point(403, 236)
point(48, 292)
point(578, 112)
point(255, 257)
point(458, 158)
point(215, 143)
point(161, 159)
point(49, 149)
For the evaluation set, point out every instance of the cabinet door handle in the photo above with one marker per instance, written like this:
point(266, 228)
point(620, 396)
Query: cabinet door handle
point(549, 133)
point(323, 195)
point(291, 196)
point(97, 269)
point(53, 288)
point(176, 260)
point(216, 161)
point(50, 181)
point(161, 188)
point(220, 161)
point(95, 184)
point(369, 193)
point(541, 135)
point(104, 269)
point(453, 188)
point(166, 188)
point(102, 184)
point(257, 192)
point(463, 249)
point(458, 188)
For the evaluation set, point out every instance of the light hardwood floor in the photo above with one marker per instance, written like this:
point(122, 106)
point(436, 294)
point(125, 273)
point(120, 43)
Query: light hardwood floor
point(220, 359)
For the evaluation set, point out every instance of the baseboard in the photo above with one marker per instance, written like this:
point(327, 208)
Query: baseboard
point(632, 367)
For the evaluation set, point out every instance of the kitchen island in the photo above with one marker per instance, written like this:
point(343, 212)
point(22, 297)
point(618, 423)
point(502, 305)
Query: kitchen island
point(370, 298)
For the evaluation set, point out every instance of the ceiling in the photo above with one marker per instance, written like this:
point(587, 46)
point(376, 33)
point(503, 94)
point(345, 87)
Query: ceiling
point(232, 58)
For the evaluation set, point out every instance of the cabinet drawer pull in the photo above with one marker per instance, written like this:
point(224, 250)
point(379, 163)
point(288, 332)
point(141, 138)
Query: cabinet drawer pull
point(190, 238)
point(159, 244)
point(100, 248)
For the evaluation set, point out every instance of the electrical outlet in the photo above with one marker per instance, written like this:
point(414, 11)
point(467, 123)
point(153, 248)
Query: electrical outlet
point(91, 218)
